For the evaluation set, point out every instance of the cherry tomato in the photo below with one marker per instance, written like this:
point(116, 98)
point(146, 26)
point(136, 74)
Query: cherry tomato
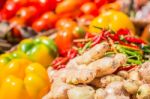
point(64, 40)
point(78, 32)
point(89, 8)
point(22, 2)
point(66, 6)
point(85, 19)
point(40, 25)
point(16, 21)
point(11, 7)
point(43, 5)
point(66, 24)
point(45, 22)
point(9, 10)
point(80, 2)
point(51, 18)
point(28, 14)
point(109, 6)
point(100, 3)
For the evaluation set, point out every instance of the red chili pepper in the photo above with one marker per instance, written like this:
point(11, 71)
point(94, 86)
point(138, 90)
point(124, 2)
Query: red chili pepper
point(129, 45)
point(89, 35)
point(107, 34)
point(71, 53)
point(123, 32)
point(134, 40)
point(116, 36)
point(104, 36)
point(60, 67)
point(58, 62)
point(80, 45)
point(63, 53)
point(96, 40)
point(120, 32)
point(126, 68)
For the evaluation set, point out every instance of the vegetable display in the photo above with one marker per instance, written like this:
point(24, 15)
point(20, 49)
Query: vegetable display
point(74, 49)
point(110, 66)
point(20, 78)
point(23, 71)
point(96, 75)
point(34, 50)
point(122, 41)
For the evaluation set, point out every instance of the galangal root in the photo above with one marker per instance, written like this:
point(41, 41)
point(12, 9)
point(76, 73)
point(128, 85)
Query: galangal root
point(92, 75)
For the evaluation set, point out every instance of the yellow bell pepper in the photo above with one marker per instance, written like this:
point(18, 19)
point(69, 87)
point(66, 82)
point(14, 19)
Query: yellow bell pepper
point(22, 79)
point(113, 20)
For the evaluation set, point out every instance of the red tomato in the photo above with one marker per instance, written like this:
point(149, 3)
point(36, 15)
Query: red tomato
point(43, 5)
point(9, 10)
point(28, 14)
point(11, 7)
point(40, 25)
point(100, 3)
point(21, 2)
point(63, 40)
point(45, 22)
point(66, 24)
point(89, 8)
point(50, 17)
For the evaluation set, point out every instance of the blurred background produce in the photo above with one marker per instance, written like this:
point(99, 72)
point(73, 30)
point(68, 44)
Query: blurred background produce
point(21, 19)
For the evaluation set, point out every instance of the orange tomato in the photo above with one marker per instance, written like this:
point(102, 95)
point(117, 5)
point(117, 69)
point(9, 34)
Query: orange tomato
point(109, 6)
point(66, 6)
point(63, 40)
point(66, 24)
point(16, 21)
point(85, 19)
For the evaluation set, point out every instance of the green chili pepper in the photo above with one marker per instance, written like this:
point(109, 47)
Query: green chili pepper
point(86, 46)
point(132, 61)
point(129, 52)
point(146, 49)
point(109, 53)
